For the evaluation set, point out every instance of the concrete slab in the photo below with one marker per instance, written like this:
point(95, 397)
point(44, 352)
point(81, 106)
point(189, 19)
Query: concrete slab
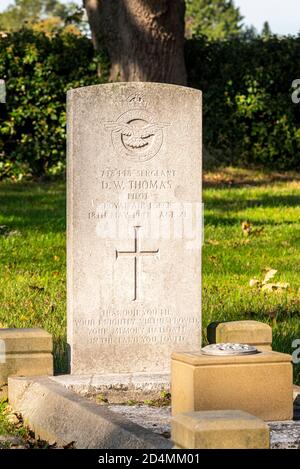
point(283, 435)
point(60, 416)
point(120, 387)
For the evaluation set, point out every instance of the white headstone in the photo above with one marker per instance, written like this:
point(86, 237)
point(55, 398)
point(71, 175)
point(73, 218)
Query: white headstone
point(134, 226)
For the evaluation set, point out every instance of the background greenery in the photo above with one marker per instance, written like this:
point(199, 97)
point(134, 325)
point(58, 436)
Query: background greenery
point(39, 70)
point(42, 15)
point(216, 19)
point(249, 117)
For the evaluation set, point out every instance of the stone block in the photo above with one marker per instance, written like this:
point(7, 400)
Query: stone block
point(222, 429)
point(241, 332)
point(260, 384)
point(25, 352)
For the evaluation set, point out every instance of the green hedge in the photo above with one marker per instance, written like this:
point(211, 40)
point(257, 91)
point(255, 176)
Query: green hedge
point(249, 117)
point(38, 71)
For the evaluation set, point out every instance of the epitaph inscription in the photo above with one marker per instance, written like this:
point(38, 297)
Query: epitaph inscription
point(134, 226)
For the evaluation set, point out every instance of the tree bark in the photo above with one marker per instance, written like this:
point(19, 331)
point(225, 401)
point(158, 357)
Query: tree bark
point(144, 38)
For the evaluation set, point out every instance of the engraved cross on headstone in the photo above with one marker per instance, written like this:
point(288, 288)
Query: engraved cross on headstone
point(137, 254)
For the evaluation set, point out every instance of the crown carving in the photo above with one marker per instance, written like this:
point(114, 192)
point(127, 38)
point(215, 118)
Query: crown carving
point(136, 101)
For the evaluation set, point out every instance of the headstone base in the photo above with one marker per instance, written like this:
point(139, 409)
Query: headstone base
point(260, 384)
point(117, 388)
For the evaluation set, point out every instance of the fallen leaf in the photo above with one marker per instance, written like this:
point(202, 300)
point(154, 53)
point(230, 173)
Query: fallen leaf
point(12, 419)
point(36, 287)
point(7, 232)
point(269, 287)
point(23, 318)
point(254, 282)
point(246, 228)
point(4, 230)
point(278, 287)
point(239, 242)
point(270, 274)
point(8, 410)
point(214, 242)
point(283, 285)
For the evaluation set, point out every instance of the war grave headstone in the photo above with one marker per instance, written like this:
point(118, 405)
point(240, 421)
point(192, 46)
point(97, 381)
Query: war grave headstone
point(134, 227)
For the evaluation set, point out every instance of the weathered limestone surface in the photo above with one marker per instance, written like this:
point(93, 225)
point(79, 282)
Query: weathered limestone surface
point(134, 226)
point(260, 384)
point(60, 416)
point(119, 387)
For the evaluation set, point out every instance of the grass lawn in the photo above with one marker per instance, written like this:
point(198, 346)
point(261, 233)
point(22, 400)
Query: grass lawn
point(32, 254)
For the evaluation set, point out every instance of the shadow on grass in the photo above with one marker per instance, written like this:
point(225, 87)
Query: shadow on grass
point(224, 178)
point(236, 184)
point(262, 201)
point(223, 220)
point(33, 206)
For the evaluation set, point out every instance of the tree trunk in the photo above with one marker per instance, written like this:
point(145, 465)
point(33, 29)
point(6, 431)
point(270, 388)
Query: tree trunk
point(144, 38)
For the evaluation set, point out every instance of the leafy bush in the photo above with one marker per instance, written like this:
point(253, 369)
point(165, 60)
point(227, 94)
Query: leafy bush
point(38, 71)
point(249, 116)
